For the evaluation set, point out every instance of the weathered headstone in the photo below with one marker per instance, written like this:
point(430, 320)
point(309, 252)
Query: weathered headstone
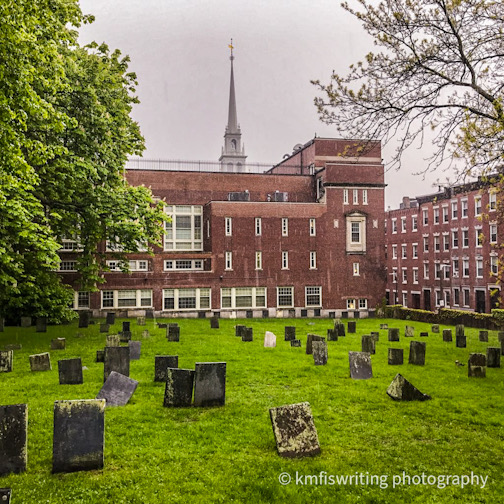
point(104, 328)
point(149, 314)
point(126, 326)
point(309, 342)
point(461, 341)
point(395, 356)
point(116, 359)
point(424, 334)
point(141, 321)
point(483, 336)
point(360, 365)
point(476, 366)
point(41, 324)
point(269, 340)
point(5, 495)
point(78, 439)
point(161, 364)
point(340, 327)
point(294, 430)
point(117, 389)
point(84, 318)
point(145, 334)
point(402, 390)
point(247, 334)
point(435, 328)
point(179, 387)
point(319, 349)
point(383, 326)
point(110, 318)
point(162, 325)
point(58, 344)
point(13, 346)
point(214, 323)
point(135, 349)
point(295, 343)
point(239, 330)
point(375, 335)
point(70, 371)
point(417, 353)
point(493, 357)
point(173, 333)
point(332, 335)
point(13, 438)
point(26, 321)
point(6, 359)
point(459, 330)
point(2, 324)
point(352, 326)
point(124, 336)
point(409, 331)
point(113, 340)
point(393, 334)
point(502, 347)
point(100, 355)
point(447, 335)
point(290, 333)
point(500, 335)
point(368, 344)
point(40, 362)
point(210, 384)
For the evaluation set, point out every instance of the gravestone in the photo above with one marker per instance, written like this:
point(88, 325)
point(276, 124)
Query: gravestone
point(352, 326)
point(239, 330)
point(41, 324)
point(78, 439)
point(210, 384)
point(409, 331)
point(124, 336)
point(110, 318)
point(447, 335)
point(295, 343)
point(116, 359)
point(493, 357)
point(13, 438)
point(483, 336)
point(424, 334)
point(141, 321)
point(173, 333)
point(294, 430)
point(104, 328)
point(135, 349)
point(459, 330)
point(435, 328)
point(162, 326)
point(84, 318)
point(476, 366)
point(395, 356)
point(393, 334)
point(40, 362)
point(117, 389)
point(402, 390)
point(2, 324)
point(368, 344)
point(6, 359)
point(100, 355)
point(13, 346)
point(290, 333)
point(502, 347)
point(461, 341)
point(5, 495)
point(179, 387)
point(383, 326)
point(269, 339)
point(26, 321)
point(126, 326)
point(332, 335)
point(145, 334)
point(214, 323)
point(360, 365)
point(70, 371)
point(500, 335)
point(375, 335)
point(319, 349)
point(149, 314)
point(58, 344)
point(340, 327)
point(248, 334)
point(161, 364)
point(309, 342)
point(417, 353)
point(113, 340)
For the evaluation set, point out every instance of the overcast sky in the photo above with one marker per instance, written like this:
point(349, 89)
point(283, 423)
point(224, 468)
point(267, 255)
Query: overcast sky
point(179, 51)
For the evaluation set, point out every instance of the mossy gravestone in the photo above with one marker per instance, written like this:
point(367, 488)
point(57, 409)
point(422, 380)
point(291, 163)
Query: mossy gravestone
point(210, 384)
point(78, 439)
point(483, 336)
point(104, 328)
point(395, 356)
point(375, 335)
point(368, 344)
point(309, 342)
point(126, 326)
point(100, 355)
point(141, 321)
point(409, 331)
point(40, 362)
point(41, 324)
point(110, 318)
point(493, 357)
point(117, 390)
point(58, 344)
point(214, 323)
point(352, 326)
point(332, 335)
point(179, 388)
point(135, 349)
point(116, 359)
point(295, 343)
point(239, 330)
point(435, 328)
point(6, 359)
point(360, 365)
point(124, 336)
point(26, 321)
point(393, 334)
point(70, 371)
point(320, 353)
point(340, 327)
point(84, 318)
point(173, 333)
point(247, 334)
point(13, 438)
point(476, 366)
point(460, 338)
point(289, 333)
point(161, 364)
point(294, 430)
point(417, 353)
point(113, 340)
point(402, 390)
point(447, 335)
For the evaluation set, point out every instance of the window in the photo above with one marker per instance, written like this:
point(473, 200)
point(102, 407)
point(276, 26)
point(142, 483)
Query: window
point(404, 254)
point(479, 236)
point(479, 268)
point(186, 299)
point(493, 233)
point(350, 304)
point(405, 299)
point(394, 251)
point(403, 224)
point(454, 238)
point(465, 210)
point(437, 295)
point(454, 209)
point(455, 267)
point(313, 260)
point(425, 216)
point(285, 226)
point(183, 265)
point(494, 265)
point(492, 200)
point(426, 271)
point(126, 298)
point(437, 245)
point(258, 226)
point(364, 197)
point(70, 244)
point(345, 196)
point(285, 259)
point(436, 215)
point(404, 275)
point(415, 275)
point(414, 250)
point(356, 268)
point(355, 196)
point(258, 260)
point(229, 261)
point(228, 226)
point(426, 244)
point(243, 297)
point(313, 296)
point(285, 297)
point(465, 268)
point(467, 294)
point(183, 231)
point(446, 271)
point(456, 296)
point(437, 271)
point(414, 223)
point(107, 299)
point(477, 205)
point(356, 233)
point(445, 214)
point(465, 238)
point(313, 230)
point(394, 226)
point(446, 242)
point(82, 299)
point(362, 304)
point(67, 266)
point(394, 275)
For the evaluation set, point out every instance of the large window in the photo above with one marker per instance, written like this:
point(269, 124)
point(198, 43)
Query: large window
point(186, 299)
point(313, 296)
point(183, 231)
point(356, 233)
point(129, 298)
point(183, 265)
point(67, 266)
point(81, 300)
point(243, 297)
point(285, 297)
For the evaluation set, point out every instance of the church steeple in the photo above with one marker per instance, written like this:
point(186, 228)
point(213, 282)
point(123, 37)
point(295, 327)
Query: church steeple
point(233, 153)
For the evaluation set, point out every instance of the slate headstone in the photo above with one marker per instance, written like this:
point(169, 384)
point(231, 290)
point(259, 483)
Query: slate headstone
point(352, 326)
point(13, 438)
point(447, 335)
point(116, 359)
point(483, 336)
point(383, 326)
point(368, 344)
point(173, 333)
point(5, 495)
point(210, 384)
point(100, 355)
point(375, 335)
point(247, 334)
point(214, 323)
point(476, 366)
point(84, 319)
point(461, 341)
point(309, 342)
point(124, 336)
point(393, 334)
point(332, 335)
point(141, 321)
point(360, 365)
point(179, 387)
point(40, 362)
point(340, 328)
point(135, 349)
point(117, 389)
point(500, 335)
point(78, 439)
point(58, 344)
point(424, 334)
point(269, 339)
point(294, 430)
point(70, 371)
point(319, 349)
point(435, 328)
point(161, 364)
point(417, 353)
point(41, 324)
point(502, 347)
point(110, 318)
point(239, 330)
point(409, 331)
point(6, 359)
point(395, 356)
point(493, 357)
point(126, 326)
point(295, 343)
point(26, 321)
point(162, 325)
point(113, 340)
point(290, 333)
point(402, 390)
point(459, 330)
point(104, 328)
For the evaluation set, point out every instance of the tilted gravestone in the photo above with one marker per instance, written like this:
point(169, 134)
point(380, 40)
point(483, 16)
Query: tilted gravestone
point(483, 336)
point(40, 362)
point(79, 428)
point(173, 333)
point(41, 324)
point(476, 366)
point(239, 330)
point(117, 389)
point(124, 336)
point(161, 364)
point(100, 355)
point(360, 365)
point(141, 321)
point(6, 359)
point(179, 387)
point(368, 344)
point(135, 349)
point(352, 326)
point(294, 430)
point(375, 335)
point(417, 353)
point(13, 438)
point(319, 353)
point(332, 335)
point(290, 333)
point(447, 335)
point(126, 326)
point(5, 495)
point(395, 356)
point(104, 328)
point(116, 359)
point(269, 339)
point(110, 318)
point(26, 321)
point(402, 390)
point(70, 371)
point(210, 384)
point(295, 343)
point(247, 334)
point(309, 342)
point(58, 344)
point(393, 334)
point(409, 331)
point(493, 357)
point(435, 328)
point(214, 323)
point(84, 319)
point(113, 340)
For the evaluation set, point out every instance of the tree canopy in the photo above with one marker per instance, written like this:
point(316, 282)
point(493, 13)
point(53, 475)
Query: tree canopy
point(439, 66)
point(65, 135)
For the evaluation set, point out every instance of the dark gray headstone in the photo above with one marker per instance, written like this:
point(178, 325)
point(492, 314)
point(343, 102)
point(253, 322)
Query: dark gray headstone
point(78, 440)
point(459, 330)
point(41, 324)
point(161, 364)
point(417, 353)
point(110, 318)
point(124, 336)
point(409, 331)
point(141, 321)
point(295, 343)
point(340, 327)
point(214, 323)
point(424, 334)
point(104, 328)
point(40, 362)
point(239, 330)
point(360, 365)
point(210, 384)
point(500, 335)
point(135, 349)
point(179, 387)
point(319, 353)
point(26, 321)
point(6, 359)
point(113, 340)
point(162, 325)
point(461, 341)
point(483, 336)
point(402, 390)
point(13, 438)
point(14, 346)
point(2, 324)
point(375, 335)
point(70, 371)
point(117, 389)
point(476, 366)
point(173, 333)
point(352, 326)
point(447, 335)
point(435, 328)
point(332, 335)
point(294, 430)
point(290, 333)
point(5, 495)
point(502, 347)
point(247, 334)
point(84, 319)
point(116, 359)
point(493, 357)
point(126, 326)
point(395, 356)
point(149, 314)
point(309, 342)
point(383, 326)
point(393, 334)
point(368, 344)
point(58, 344)
point(100, 355)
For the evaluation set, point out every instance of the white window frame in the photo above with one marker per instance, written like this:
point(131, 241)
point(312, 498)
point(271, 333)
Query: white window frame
point(202, 298)
point(425, 217)
point(403, 224)
point(67, 266)
point(435, 213)
point(445, 214)
point(81, 300)
point(414, 250)
point(426, 271)
point(466, 271)
point(351, 304)
point(285, 260)
point(404, 251)
point(492, 200)
point(364, 197)
point(394, 251)
point(258, 226)
point(479, 267)
point(258, 260)
point(313, 228)
point(355, 196)
point(285, 291)
point(230, 295)
point(494, 265)
point(465, 238)
point(313, 259)
point(313, 291)
point(464, 205)
point(345, 197)
point(285, 226)
point(172, 241)
point(180, 265)
point(228, 265)
point(479, 236)
point(414, 223)
point(142, 298)
point(454, 210)
point(394, 225)
point(492, 231)
point(228, 226)
point(363, 304)
point(477, 205)
point(455, 238)
point(353, 245)
point(415, 275)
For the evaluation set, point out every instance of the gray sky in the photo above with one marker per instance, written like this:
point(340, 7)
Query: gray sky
point(179, 51)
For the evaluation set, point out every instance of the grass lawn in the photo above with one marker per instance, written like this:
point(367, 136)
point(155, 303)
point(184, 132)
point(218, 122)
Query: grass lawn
point(228, 454)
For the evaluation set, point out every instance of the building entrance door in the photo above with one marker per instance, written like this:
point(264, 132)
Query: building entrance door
point(426, 300)
point(480, 301)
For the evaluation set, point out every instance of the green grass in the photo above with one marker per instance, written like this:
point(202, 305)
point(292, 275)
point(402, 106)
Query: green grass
point(228, 454)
